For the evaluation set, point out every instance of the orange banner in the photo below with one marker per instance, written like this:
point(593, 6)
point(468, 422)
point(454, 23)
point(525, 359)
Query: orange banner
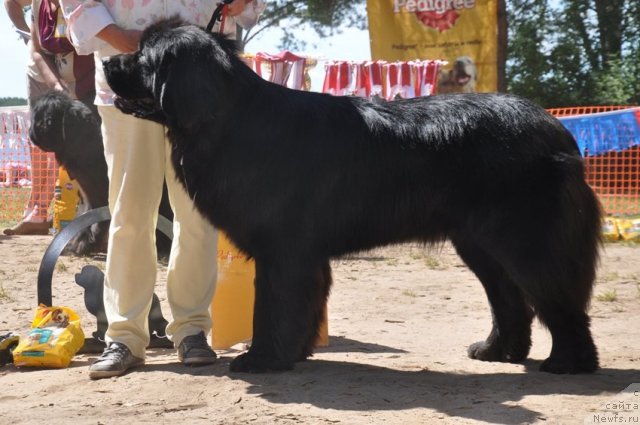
point(462, 32)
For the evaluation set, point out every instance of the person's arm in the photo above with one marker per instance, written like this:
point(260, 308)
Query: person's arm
point(46, 68)
point(15, 10)
point(121, 39)
point(85, 20)
point(248, 17)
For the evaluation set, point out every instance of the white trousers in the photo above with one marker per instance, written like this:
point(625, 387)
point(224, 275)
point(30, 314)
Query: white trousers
point(138, 158)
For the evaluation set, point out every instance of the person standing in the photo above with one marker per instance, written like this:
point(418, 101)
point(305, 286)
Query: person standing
point(138, 159)
point(34, 218)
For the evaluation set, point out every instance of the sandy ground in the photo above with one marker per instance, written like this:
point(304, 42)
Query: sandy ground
point(400, 320)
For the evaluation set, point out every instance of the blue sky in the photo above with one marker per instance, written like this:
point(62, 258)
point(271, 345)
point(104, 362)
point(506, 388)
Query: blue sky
point(350, 45)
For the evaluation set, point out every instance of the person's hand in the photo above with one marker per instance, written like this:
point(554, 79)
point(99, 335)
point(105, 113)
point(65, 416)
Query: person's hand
point(236, 7)
point(125, 41)
point(60, 86)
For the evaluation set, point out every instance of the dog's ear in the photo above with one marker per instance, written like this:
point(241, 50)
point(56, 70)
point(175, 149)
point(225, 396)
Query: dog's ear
point(186, 92)
point(46, 114)
point(79, 125)
point(191, 85)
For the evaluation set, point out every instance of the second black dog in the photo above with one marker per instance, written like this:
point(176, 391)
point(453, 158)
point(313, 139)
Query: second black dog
point(71, 130)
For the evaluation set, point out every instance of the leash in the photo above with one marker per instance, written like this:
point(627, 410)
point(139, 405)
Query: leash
point(217, 14)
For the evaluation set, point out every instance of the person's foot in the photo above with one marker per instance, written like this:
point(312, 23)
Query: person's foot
point(115, 360)
point(195, 351)
point(29, 228)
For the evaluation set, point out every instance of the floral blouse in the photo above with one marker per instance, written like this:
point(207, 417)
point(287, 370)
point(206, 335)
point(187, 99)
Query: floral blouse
point(86, 18)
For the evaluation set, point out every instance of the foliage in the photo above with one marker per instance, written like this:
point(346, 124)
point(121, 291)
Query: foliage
point(12, 101)
point(574, 52)
point(325, 17)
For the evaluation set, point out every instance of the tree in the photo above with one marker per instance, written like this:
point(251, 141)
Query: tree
point(527, 64)
point(326, 17)
point(579, 52)
point(12, 101)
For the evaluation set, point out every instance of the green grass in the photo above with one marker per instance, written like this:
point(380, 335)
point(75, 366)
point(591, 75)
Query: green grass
point(409, 293)
point(13, 200)
point(433, 263)
point(4, 294)
point(608, 277)
point(12, 203)
point(609, 296)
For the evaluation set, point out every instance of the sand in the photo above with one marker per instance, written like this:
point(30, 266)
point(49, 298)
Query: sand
point(400, 321)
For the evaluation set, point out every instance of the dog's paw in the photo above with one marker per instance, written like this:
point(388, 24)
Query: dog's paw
point(250, 363)
point(494, 352)
point(586, 363)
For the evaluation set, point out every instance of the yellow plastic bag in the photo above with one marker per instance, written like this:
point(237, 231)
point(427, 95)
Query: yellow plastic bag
point(610, 230)
point(66, 200)
point(629, 229)
point(55, 337)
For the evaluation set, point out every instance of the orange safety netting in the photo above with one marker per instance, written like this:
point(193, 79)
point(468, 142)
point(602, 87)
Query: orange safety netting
point(27, 175)
point(614, 176)
point(582, 110)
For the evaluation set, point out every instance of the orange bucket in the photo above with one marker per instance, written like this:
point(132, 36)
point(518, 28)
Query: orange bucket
point(232, 305)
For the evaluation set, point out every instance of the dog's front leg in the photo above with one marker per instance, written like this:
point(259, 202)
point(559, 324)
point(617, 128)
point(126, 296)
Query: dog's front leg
point(289, 307)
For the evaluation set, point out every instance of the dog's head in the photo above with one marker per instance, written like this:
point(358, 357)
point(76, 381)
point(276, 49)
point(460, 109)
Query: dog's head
point(464, 71)
point(178, 76)
point(60, 318)
point(461, 78)
point(59, 123)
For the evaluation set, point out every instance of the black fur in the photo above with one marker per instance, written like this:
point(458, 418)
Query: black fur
point(297, 178)
point(71, 129)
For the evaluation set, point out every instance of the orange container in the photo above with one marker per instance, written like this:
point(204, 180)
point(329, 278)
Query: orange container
point(232, 305)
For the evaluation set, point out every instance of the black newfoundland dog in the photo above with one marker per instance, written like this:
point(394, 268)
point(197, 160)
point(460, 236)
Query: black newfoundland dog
point(71, 130)
point(297, 178)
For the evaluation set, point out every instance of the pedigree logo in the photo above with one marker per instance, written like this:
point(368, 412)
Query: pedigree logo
point(438, 14)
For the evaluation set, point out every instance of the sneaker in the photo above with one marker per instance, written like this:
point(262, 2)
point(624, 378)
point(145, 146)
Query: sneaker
point(195, 351)
point(115, 360)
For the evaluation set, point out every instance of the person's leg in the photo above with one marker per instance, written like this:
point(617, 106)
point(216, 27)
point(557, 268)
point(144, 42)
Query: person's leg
point(134, 150)
point(192, 271)
point(43, 175)
point(34, 220)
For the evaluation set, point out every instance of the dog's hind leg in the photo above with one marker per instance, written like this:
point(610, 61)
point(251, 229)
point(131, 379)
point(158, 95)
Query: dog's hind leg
point(510, 336)
point(560, 274)
point(573, 349)
point(553, 261)
point(558, 286)
point(289, 307)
